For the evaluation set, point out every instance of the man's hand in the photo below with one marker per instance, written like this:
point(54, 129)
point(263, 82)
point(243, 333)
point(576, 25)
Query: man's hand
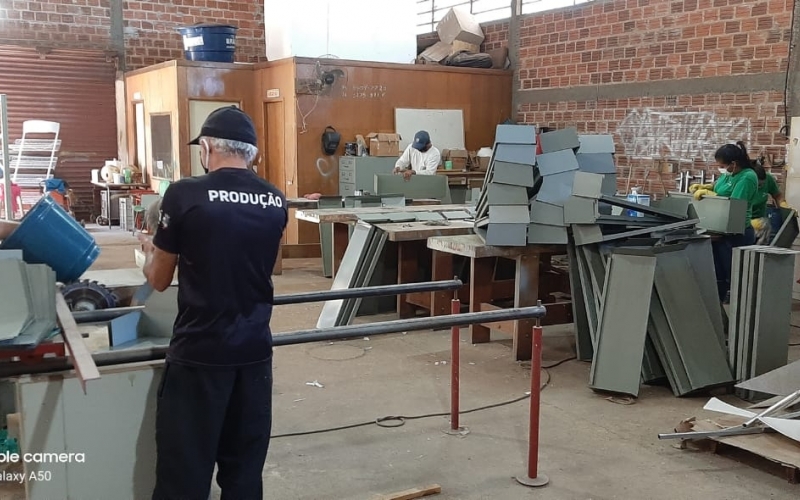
point(407, 174)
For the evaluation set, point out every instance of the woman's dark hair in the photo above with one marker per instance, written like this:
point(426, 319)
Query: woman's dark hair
point(734, 153)
point(760, 172)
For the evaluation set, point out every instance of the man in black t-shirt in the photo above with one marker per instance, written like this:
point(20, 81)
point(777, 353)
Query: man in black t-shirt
point(223, 232)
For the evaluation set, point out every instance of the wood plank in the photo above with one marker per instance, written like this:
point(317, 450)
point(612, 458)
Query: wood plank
point(413, 493)
point(480, 291)
point(441, 269)
point(473, 246)
point(349, 215)
point(422, 231)
point(82, 359)
point(407, 271)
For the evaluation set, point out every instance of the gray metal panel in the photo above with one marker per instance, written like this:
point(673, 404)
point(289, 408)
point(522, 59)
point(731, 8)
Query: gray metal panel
point(675, 204)
point(609, 187)
point(429, 216)
point(701, 354)
point(513, 235)
point(543, 234)
point(583, 336)
point(590, 299)
point(159, 313)
point(721, 215)
point(666, 347)
point(515, 153)
point(747, 314)
point(596, 144)
point(558, 140)
point(580, 210)
point(587, 185)
point(365, 277)
point(15, 307)
point(586, 234)
point(556, 188)
point(515, 174)
point(622, 330)
point(503, 194)
point(556, 162)
point(463, 214)
point(780, 382)
point(545, 213)
point(737, 294)
point(773, 313)
point(515, 214)
point(596, 163)
point(789, 230)
point(515, 134)
point(649, 210)
point(418, 186)
point(701, 256)
point(652, 370)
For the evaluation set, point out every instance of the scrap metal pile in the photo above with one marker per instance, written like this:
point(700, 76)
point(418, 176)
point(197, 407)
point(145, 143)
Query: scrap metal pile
point(527, 183)
point(645, 297)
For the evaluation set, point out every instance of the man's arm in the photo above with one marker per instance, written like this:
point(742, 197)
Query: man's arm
point(432, 162)
point(404, 162)
point(162, 251)
point(7, 227)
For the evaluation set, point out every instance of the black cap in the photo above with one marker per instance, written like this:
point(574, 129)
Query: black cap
point(229, 123)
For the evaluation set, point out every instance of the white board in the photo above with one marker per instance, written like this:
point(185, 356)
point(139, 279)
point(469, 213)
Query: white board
point(446, 126)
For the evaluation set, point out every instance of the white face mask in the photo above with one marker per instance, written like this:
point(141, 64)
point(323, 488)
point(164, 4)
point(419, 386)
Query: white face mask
point(723, 171)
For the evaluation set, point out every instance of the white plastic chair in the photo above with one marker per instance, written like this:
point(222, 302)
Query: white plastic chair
point(39, 167)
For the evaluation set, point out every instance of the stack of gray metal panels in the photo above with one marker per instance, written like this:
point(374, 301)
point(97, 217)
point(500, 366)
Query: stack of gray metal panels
point(503, 209)
point(525, 189)
point(762, 278)
point(28, 306)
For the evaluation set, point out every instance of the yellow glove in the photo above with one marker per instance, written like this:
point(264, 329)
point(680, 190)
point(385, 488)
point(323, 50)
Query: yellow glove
point(758, 224)
point(695, 187)
point(701, 193)
point(784, 204)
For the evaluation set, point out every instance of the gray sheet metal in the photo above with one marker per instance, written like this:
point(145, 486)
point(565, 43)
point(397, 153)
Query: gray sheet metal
point(558, 140)
point(590, 300)
point(346, 273)
point(514, 174)
point(780, 382)
point(543, 234)
point(556, 162)
point(747, 314)
point(651, 230)
point(701, 257)
point(578, 210)
point(365, 277)
point(667, 348)
point(41, 280)
point(789, 230)
point(622, 330)
point(586, 234)
point(583, 336)
point(15, 305)
point(737, 295)
point(159, 313)
point(588, 185)
point(700, 352)
point(513, 235)
point(596, 144)
point(596, 163)
point(652, 370)
point(650, 210)
point(556, 188)
point(773, 311)
point(517, 214)
point(515, 153)
point(609, 187)
point(503, 194)
point(546, 213)
point(515, 134)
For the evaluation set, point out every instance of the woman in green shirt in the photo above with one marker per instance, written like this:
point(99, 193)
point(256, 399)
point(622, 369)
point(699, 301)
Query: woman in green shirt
point(767, 186)
point(738, 180)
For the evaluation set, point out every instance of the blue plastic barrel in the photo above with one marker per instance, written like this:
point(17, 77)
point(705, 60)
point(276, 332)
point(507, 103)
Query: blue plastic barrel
point(209, 42)
point(49, 235)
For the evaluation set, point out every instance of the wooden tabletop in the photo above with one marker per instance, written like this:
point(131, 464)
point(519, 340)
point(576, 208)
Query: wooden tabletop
point(473, 246)
point(416, 231)
point(350, 215)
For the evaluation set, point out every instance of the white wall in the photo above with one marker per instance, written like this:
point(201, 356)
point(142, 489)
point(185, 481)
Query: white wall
point(362, 30)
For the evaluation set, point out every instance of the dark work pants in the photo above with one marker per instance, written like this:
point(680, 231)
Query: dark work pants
point(207, 416)
point(723, 257)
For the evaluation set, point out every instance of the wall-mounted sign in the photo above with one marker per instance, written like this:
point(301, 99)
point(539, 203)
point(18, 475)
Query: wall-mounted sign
point(273, 93)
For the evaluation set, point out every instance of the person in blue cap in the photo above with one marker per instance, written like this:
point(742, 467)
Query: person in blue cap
point(419, 158)
point(223, 232)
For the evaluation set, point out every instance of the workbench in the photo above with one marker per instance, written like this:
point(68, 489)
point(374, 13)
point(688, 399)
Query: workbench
point(342, 218)
point(482, 289)
point(106, 204)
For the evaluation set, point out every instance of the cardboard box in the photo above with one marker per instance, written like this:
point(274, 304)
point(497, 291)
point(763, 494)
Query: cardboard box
point(436, 53)
point(382, 144)
point(458, 46)
point(499, 57)
point(458, 24)
point(459, 157)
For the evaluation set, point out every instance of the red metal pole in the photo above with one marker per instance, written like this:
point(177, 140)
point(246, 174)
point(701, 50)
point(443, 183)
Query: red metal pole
point(533, 478)
point(455, 348)
point(536, 384)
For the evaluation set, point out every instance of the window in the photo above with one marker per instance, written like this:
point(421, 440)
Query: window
point(161, 137)
point(430, 12)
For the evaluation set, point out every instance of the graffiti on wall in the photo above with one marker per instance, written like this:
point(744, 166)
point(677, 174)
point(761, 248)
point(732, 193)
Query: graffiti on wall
point(682, 136)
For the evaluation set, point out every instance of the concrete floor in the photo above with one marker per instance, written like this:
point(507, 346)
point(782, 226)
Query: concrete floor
point(591, 448)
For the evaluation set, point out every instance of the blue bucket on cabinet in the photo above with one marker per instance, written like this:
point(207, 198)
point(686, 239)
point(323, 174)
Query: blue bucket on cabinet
point(49, 235)
point(209, 42)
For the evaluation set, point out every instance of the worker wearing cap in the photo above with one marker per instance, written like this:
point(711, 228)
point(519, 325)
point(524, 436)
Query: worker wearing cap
point(419, 158)
point(223, 231)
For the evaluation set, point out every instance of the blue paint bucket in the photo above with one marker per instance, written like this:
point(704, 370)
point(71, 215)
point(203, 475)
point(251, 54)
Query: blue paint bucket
point(49, 235)
point(209, 42)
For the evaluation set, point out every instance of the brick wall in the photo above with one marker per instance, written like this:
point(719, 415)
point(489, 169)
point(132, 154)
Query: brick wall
point(633, 42)
point(149, 27)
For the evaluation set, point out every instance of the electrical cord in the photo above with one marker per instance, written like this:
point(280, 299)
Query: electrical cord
point(393, 421)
